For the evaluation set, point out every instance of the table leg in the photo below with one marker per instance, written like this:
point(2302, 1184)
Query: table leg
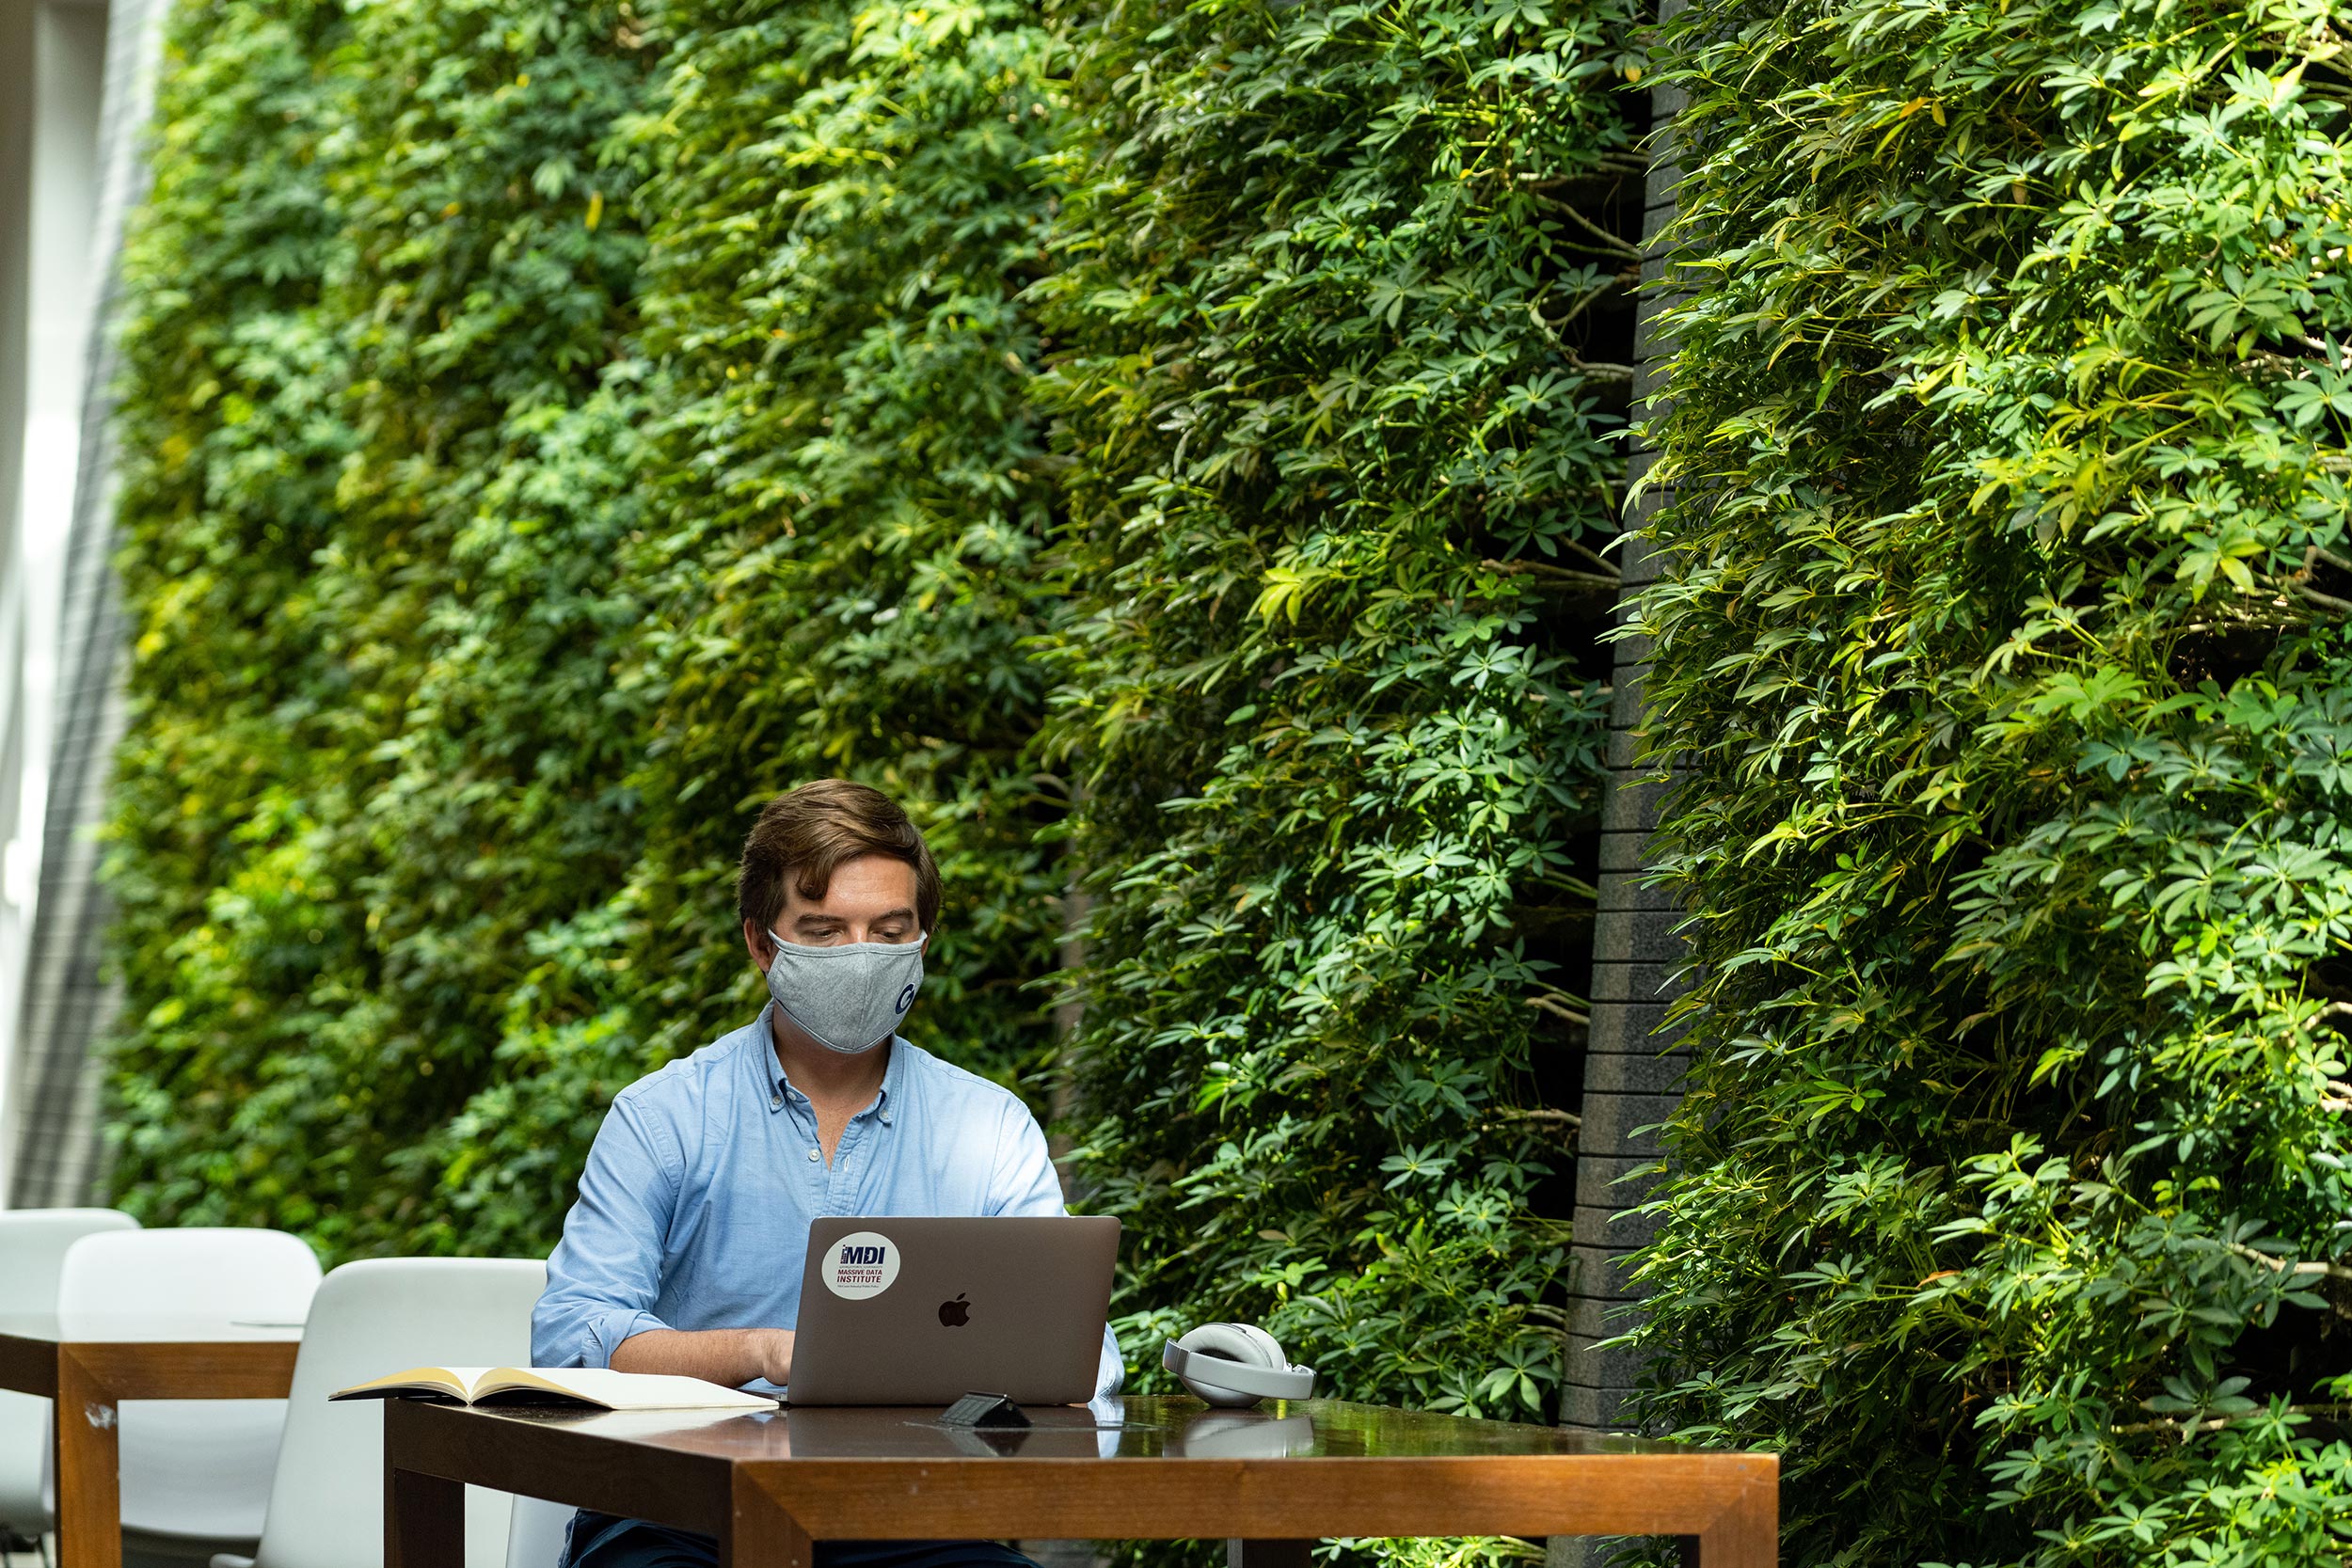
point(89, 1477)
point(759, 1533)
point(1267, 1554)
point(1745, 1535)
point(425, 1519)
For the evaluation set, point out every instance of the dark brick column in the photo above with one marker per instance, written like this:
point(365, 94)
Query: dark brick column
point(1631, 1071)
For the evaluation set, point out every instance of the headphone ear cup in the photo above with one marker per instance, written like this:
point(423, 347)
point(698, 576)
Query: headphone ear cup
point(1237, 1343)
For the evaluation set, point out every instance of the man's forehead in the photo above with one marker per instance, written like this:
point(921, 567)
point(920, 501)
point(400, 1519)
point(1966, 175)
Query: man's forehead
point(861, 882)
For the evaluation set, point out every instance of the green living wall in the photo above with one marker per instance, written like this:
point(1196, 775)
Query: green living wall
point(1344, 370)
point(378, 472)
point(585, 541)
point(2003, 651)
point(1171, 447)
point(831, 569)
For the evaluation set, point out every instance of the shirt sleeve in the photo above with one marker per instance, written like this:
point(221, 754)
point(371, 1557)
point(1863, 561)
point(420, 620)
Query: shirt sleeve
point(1025, 1182)
point(606, 1273)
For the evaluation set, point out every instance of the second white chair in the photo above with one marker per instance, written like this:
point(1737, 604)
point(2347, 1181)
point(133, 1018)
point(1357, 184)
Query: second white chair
point(539, 1534)
point(196, 1473)
point(327, 1500)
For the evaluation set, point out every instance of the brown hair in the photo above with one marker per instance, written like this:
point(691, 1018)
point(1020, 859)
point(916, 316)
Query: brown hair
point(806, 833)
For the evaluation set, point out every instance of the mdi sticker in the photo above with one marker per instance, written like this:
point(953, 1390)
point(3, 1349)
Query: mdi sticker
point(861, 1264)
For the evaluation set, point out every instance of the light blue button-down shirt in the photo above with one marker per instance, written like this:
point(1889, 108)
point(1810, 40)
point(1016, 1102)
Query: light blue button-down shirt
point(694, 1207)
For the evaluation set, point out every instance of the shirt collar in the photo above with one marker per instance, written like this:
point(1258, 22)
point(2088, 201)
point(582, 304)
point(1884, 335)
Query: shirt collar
point(776, 1087)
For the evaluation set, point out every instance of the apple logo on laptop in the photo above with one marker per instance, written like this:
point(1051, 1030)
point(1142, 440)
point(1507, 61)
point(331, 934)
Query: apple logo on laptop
point(956, 1313)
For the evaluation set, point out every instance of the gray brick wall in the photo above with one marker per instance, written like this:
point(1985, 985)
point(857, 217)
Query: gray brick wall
point(1630, 1068)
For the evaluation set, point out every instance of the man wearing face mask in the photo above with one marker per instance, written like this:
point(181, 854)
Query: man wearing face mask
point(684, 1251)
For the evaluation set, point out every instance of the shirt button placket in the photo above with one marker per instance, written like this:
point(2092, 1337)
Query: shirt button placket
point(837, 1185)
point(805, 1127)
point(874, 1133)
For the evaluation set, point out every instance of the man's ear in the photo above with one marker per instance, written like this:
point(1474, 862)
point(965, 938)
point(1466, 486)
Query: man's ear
point(755, 942)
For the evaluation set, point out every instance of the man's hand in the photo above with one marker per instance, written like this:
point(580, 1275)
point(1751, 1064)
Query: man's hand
point(732, 1357)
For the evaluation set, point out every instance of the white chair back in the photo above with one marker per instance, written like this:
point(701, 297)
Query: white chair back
point(194, 1469)
point(327, 1500)
point(32, 1254)
point(537, 1537)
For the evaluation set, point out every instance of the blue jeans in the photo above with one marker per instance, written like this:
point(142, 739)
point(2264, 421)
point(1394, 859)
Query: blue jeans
point(601, 1541)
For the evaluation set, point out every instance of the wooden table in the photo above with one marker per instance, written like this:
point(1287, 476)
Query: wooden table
point(1270, 1480)
point(89, 1364)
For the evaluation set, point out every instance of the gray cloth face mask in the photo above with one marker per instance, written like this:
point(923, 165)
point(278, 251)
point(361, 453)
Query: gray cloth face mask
point(848, 998)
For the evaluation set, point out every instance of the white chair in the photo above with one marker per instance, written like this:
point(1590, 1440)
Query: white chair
point(327, 1498)
point(196, 1473)
point(535, 1539)
point(33, 1242)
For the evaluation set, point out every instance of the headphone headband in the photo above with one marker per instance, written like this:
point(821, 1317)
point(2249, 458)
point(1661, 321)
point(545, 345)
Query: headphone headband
point(1222, 1371)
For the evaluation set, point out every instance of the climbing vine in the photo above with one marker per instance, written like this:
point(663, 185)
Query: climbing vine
point(1171, 446)
point(1345, 293)
point(2002, 654)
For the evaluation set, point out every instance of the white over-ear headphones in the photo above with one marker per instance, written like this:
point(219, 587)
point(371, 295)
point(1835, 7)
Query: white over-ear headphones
point(1234, 1364)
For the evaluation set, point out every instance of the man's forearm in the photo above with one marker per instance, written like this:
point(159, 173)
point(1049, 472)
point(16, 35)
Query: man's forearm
point(725, 1355)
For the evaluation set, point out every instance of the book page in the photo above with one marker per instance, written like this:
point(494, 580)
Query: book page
point(601, 1386)
point(456, 1382)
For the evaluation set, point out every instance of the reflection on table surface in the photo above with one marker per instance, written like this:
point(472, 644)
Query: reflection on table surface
point(1133, 1426)
point(126, 1328)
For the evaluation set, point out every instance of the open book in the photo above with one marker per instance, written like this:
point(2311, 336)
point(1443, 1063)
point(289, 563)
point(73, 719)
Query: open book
point(591, 1386)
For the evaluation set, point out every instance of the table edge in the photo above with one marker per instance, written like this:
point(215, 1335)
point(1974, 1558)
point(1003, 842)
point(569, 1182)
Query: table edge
point(696, 1491)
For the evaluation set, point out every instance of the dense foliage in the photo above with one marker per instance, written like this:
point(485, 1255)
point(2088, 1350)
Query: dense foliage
point(1340, 475)
point(562, 597)
point(844, 217)
point(830, 555)
point(379, 478)
point(230, 452)
point(1171, 447)
point(2004, 644)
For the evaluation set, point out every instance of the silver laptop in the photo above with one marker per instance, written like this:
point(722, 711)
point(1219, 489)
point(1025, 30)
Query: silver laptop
point(923, 1311)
